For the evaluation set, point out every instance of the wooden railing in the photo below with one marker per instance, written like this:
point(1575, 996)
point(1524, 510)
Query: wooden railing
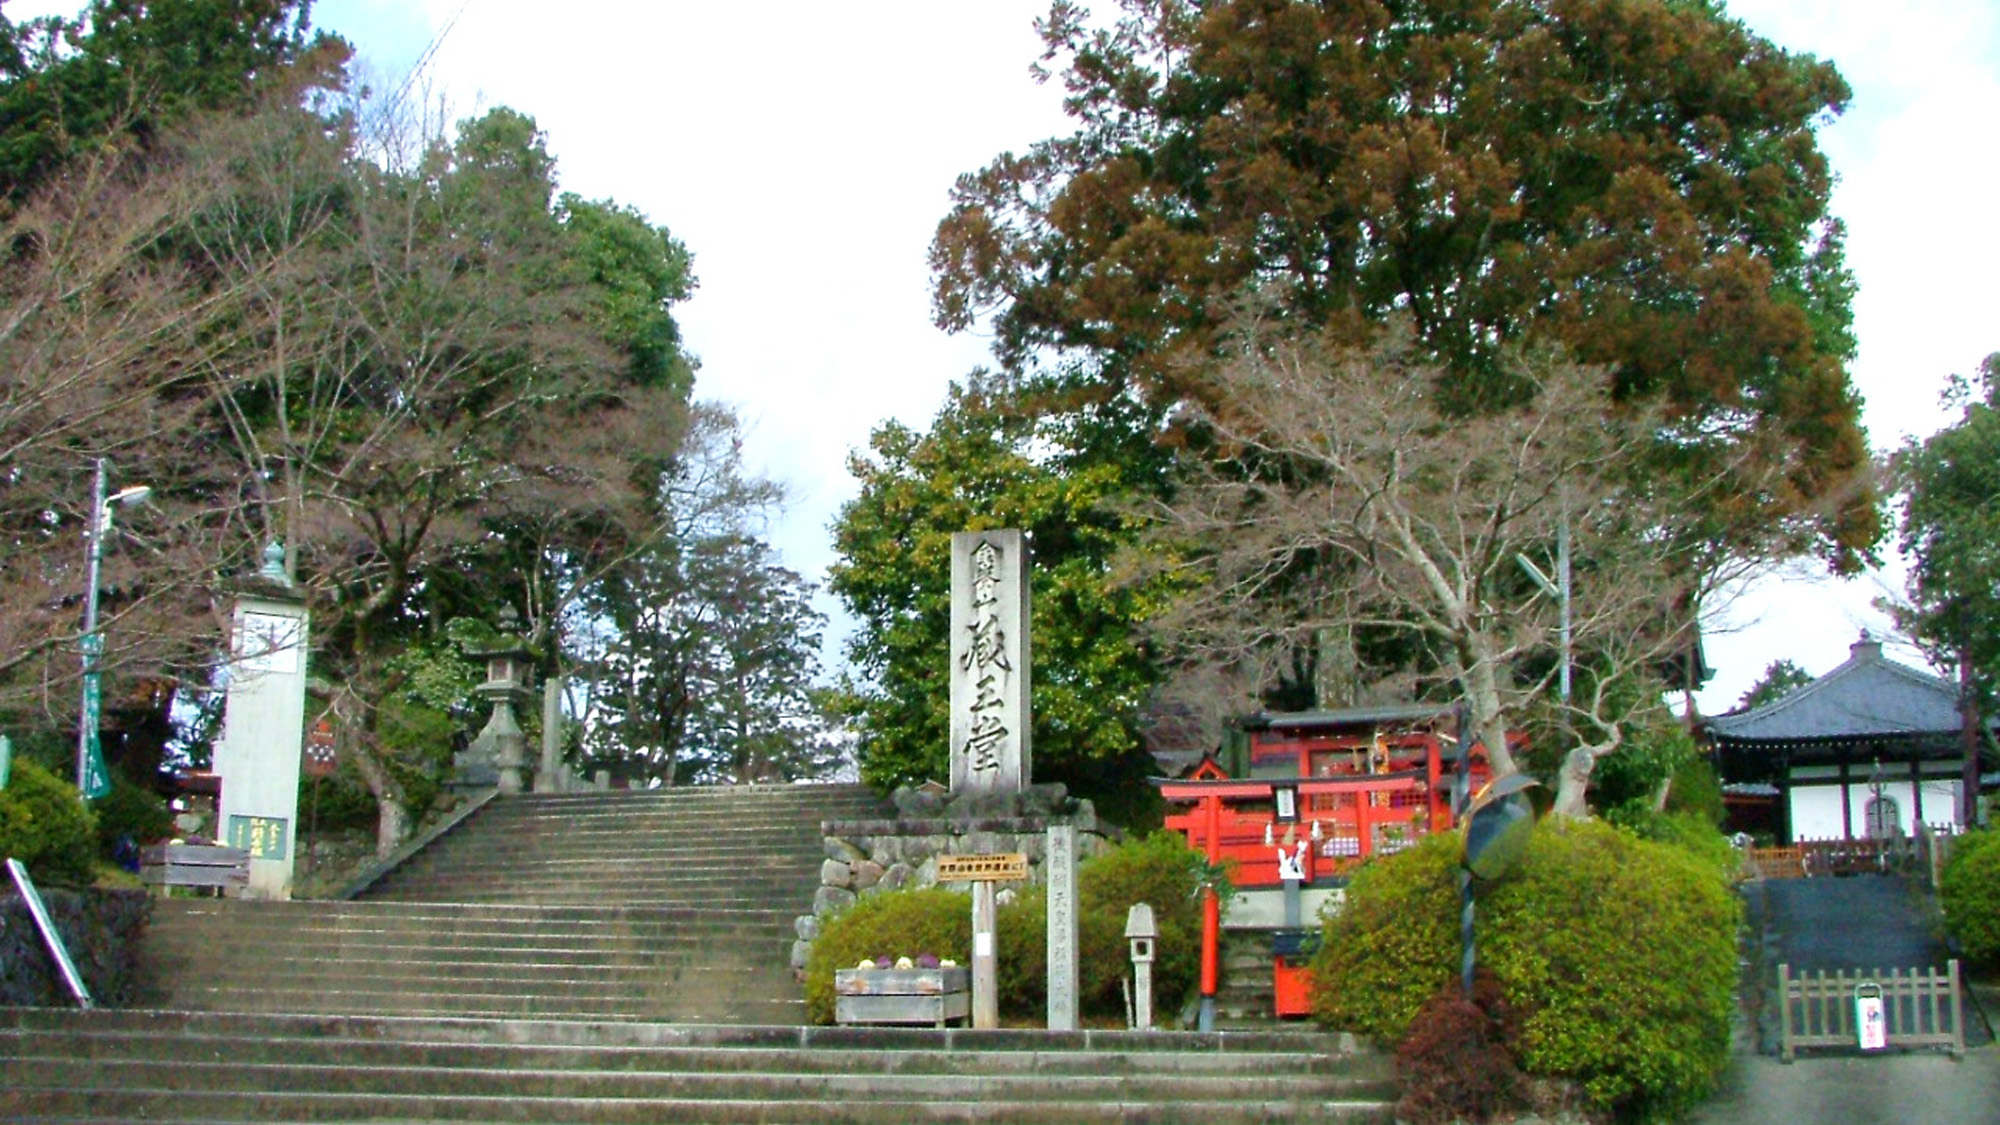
point(1921, 854)
point(1921, 1008)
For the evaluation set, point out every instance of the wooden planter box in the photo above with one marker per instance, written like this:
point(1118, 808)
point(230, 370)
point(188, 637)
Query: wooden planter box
point(932, 996)
point(193, 865)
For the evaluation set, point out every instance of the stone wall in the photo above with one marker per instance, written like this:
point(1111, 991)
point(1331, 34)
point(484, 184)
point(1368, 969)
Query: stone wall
point(866, 857)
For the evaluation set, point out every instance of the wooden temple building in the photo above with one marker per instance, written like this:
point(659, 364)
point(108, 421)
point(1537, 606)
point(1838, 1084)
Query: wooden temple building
point(1867, 751)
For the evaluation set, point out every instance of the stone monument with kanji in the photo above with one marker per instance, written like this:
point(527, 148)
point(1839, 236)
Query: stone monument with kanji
point(990, 662)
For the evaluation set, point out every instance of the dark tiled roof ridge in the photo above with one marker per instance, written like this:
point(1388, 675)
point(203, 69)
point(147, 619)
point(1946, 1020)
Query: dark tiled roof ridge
point(1860, 656)
point(1825, 707)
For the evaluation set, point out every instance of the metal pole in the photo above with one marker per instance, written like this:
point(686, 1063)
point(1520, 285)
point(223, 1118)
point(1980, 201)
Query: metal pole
point(93, 645)
point(1465, 929)
point(1562, 583)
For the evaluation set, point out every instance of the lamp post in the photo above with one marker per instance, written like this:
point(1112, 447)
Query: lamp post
point(91, 780)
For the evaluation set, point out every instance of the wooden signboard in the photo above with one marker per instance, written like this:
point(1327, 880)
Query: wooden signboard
point(999, 867)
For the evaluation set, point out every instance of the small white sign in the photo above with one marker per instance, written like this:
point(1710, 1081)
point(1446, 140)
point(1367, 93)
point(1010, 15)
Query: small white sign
point(982, 945)
point(1870, 1025)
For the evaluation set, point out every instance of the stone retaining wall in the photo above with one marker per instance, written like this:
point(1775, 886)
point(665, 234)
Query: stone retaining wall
point(865, 857)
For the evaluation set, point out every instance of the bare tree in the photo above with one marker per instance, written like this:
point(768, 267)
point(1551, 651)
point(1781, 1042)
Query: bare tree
point(102, 327)
point(1335, 491)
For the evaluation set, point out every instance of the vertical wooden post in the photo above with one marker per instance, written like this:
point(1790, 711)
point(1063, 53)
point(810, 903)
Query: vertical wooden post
point(985, 975)
point(1846, 801)
point(1785, 1012)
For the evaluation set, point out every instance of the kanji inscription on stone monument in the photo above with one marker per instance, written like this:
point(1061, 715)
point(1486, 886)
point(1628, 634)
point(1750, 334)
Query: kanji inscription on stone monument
point(989, 662)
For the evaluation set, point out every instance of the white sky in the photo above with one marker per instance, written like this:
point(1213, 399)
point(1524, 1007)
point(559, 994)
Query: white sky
point(804, 150)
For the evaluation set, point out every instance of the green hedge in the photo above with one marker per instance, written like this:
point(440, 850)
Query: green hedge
point(1619, 954)
point(1969, 894)
point(892, 924)
point(45, 826)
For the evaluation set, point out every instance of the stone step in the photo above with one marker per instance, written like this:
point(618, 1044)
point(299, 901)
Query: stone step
point(480, 980)
point(755, 881)
point(99, 1066)
point(688, 1003)
point(222, 916)
point(449, 1049)
point(444, 958)
point(701, 1081)
point(661, 906)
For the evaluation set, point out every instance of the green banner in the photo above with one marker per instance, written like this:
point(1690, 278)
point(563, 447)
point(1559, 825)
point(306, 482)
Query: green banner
point(6, 759)
point(96, 779)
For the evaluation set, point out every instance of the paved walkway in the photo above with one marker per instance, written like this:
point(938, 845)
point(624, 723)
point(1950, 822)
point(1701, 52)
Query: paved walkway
point(1917, 1088)
point(1857, 922)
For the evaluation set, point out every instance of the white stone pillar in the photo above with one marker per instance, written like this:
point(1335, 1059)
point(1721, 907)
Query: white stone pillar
point(263, 730)
point(990, 660)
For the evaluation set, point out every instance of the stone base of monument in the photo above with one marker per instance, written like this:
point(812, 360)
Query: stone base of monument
point(920, 996)
point(866, 857)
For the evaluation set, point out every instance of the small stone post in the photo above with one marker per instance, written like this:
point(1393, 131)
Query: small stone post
point(1142, 931)
point(549, 779)
point(1059, 872)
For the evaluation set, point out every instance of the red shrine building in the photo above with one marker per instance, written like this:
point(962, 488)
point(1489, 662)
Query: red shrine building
point(1303, 798)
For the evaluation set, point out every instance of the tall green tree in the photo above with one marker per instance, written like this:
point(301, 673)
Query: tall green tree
point(1951, 533)
point(127, 71)
point(438, 409)
point(1639, 182)
point(701, 661)
point(985, 463)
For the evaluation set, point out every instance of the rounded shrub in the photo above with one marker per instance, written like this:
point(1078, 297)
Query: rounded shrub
point(45, 826)
point(1393, 944)
point(1161, 871)
point(1969, 894)
point(1621, 955)
point(1617, 954)
point(892, 924)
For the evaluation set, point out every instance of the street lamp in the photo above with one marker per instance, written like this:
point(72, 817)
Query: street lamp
point(91, 779)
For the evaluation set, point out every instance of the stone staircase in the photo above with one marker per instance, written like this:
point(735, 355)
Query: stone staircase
point(104, 1067)
point(602, 958)
point(671, 905)
point(1246, 997)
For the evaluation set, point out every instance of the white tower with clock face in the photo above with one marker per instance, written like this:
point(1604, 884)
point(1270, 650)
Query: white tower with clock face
point(263, 731)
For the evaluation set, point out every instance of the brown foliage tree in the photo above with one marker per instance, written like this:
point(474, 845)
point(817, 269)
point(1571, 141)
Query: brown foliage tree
point(1638, 182)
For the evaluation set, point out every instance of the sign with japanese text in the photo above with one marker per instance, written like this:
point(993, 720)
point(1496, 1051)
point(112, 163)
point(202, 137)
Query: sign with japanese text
point(262, 836)
point(998, 867)
point(990, 738)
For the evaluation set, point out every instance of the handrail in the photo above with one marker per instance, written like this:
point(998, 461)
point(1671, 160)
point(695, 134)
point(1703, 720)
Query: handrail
point(49, 935)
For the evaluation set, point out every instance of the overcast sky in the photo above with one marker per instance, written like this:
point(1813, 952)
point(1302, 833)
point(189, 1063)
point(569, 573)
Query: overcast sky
point(804, 151)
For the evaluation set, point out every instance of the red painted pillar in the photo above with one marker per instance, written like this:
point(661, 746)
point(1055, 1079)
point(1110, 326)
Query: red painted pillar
point(1211, 915)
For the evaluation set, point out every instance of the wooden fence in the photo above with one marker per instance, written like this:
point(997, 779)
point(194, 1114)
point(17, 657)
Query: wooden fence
point(1921, 855)
point(1921, 1008)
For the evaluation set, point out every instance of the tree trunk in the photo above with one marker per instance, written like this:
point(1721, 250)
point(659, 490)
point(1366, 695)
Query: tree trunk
point(1489, 719)
point(1573, 784)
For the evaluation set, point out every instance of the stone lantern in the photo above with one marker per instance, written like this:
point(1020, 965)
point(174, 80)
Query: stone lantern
point(499, 756)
